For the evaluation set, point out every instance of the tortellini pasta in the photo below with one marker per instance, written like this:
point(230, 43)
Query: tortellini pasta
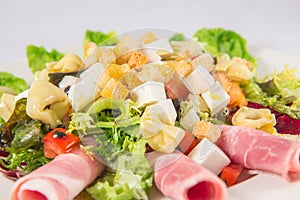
point(7, 105)
point(69, 63)
point(157, 125)
point(46, 102)
point(261, 119)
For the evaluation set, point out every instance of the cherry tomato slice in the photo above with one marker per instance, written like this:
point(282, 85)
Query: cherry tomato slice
point(58, 141)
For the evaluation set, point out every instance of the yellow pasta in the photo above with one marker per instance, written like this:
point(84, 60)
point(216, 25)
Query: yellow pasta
point(46, 102)
point(7, 105)
point(157, 124)
point(261, 119)
point(69, 63)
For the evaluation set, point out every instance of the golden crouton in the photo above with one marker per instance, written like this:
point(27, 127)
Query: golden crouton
point(182, 67)
point(112, 71)
point(114, 89)
point(206, 129)
point(137, 59)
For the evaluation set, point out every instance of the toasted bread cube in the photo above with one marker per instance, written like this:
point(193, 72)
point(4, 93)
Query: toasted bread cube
point(112, 71)
point(182, 67)
point(204, 129)
point(114, 89)
point(137, 59)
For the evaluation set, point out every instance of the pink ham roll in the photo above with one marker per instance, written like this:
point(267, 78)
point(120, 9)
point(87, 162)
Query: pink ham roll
point(61, 179)
point(259, 150)
point(179, 177)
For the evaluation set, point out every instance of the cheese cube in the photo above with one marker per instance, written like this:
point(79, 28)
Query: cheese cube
point(210, 156)
point(148, 93)
point(216, 98)
point(198, 81)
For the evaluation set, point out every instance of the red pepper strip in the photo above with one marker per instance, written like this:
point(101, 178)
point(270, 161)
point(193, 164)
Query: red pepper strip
point(230, 173)
point(58, 141)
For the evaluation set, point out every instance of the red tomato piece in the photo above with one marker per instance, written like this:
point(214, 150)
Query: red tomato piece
point(188, 143)
point(58, 141)
point(231, 173)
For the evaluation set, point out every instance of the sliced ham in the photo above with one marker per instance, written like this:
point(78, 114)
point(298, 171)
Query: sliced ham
point(262, 151)
point(179, 177)
point(61, 179)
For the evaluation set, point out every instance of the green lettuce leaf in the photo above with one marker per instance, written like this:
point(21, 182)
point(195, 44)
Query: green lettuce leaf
point(11, 84)
point(254, 93)
point(117, 141)
point(219, 40)
point(19, 116)
point(177, 37)
point(104, 190)
point(38, 57)
point(100, 38)
point(21, 137)
point(132, 177)
point(33, 157)
point(285, 85)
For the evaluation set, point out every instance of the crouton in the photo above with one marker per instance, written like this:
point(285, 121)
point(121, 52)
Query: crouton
point(206, 129)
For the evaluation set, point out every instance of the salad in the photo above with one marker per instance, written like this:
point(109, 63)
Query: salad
point(126, 97)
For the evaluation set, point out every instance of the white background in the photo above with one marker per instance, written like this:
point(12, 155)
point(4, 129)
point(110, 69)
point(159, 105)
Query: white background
point(61, 23)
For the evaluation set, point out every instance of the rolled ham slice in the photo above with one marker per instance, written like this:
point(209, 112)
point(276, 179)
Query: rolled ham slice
point(179, 177)
point(61, 179)
point(262, 151)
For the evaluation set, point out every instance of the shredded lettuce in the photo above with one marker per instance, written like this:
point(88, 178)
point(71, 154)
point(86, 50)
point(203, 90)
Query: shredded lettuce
point(285, 83)
point(113, 126)
point(132, 176)
point(19, 116)
point(21, 138)
point(11, 84)
point(38, 57)
point(100, 38)
point(254, 93)
point(219, 40)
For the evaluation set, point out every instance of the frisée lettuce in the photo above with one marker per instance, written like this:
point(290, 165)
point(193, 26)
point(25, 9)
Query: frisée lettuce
point(110, 131)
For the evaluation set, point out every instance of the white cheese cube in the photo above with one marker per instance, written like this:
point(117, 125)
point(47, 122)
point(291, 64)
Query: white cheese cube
point(86, 90)
point(198, 81)
point(68, 81)
point(93, 72)
point(152, 56)
point(216, 98)
point(210, 156)
point(189, 120)
point(148, 93)
point(199, 102)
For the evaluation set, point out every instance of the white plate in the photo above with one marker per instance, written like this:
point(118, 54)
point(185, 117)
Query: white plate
point(260, 187)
